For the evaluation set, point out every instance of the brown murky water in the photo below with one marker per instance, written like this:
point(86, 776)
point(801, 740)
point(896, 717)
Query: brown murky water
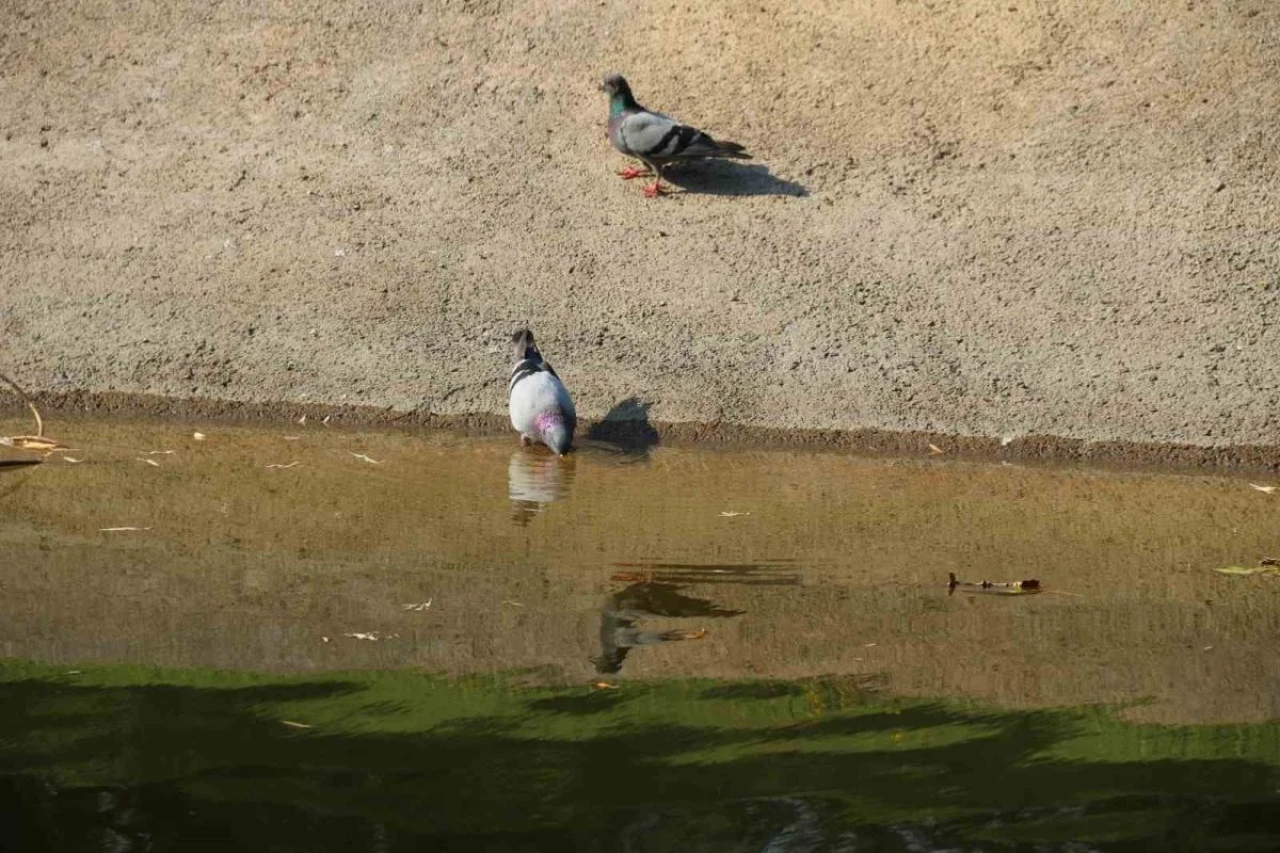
point(270, 547)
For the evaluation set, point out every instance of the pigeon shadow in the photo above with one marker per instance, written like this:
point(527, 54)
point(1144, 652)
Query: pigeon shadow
point(624, 610)
point(625, 429)
point(729, 177)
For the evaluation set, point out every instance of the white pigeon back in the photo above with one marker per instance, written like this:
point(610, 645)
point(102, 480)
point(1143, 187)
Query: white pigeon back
point(537, 394)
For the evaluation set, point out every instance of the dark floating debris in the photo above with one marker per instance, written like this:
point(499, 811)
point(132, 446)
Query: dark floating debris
point(1025, 587)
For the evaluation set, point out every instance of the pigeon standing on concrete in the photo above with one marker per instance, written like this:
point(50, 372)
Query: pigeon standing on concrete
point(655, 139)
point(541, 409)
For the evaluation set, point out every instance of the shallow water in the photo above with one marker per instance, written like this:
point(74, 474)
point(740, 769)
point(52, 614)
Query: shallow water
point(725, 602)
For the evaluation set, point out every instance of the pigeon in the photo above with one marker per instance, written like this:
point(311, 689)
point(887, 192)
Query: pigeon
point(655, 139)
point(541, 409)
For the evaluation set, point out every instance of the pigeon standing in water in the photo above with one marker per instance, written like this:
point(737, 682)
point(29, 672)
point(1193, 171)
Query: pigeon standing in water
point(655, 139)
point(541, 409)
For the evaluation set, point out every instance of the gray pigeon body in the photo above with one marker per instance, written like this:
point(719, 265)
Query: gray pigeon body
point(656, 139)
point(540, 406)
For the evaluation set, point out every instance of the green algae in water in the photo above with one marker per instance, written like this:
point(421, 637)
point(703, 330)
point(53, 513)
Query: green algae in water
point(172, 759)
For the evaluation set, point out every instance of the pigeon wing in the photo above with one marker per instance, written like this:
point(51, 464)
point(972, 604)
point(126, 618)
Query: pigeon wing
point(654, 136)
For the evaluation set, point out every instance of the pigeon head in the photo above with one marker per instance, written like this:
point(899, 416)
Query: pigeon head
point(607, 665)
point(554, 432)
point(615, 85)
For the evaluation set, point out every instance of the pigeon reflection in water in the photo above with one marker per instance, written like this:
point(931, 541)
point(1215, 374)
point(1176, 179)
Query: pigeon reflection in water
point(536, 478)
point(623, 610)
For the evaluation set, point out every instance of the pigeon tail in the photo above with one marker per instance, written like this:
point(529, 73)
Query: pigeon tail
point(731, 150)
point(522, 346)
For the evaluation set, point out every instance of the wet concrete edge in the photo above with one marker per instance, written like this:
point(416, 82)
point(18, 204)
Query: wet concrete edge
point(1037, 448)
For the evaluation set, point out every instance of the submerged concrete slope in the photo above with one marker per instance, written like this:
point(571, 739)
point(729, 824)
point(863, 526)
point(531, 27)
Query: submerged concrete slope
point(976, 218)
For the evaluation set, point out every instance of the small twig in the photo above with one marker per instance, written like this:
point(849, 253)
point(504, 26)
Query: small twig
point(30, 405)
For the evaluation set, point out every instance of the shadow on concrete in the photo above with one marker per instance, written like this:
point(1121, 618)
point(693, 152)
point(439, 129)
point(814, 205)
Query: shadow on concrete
point(730, 178)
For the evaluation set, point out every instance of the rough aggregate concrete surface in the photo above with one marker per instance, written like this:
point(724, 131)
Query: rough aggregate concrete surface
point(1053, 217)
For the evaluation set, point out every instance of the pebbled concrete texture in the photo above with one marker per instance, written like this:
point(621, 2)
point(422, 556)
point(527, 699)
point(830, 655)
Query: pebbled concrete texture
point(968, 218)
